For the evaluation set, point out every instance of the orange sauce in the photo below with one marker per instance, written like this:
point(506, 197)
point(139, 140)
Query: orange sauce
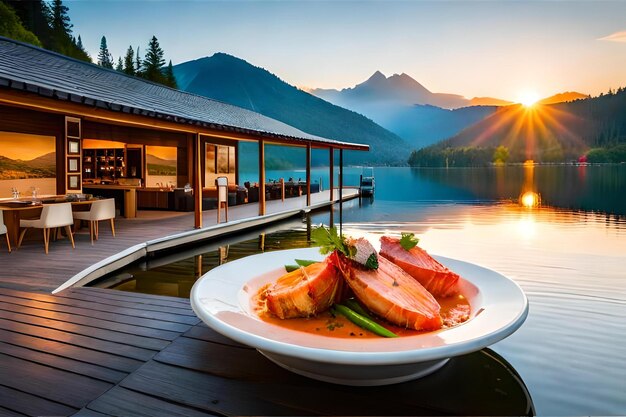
point(454, 311)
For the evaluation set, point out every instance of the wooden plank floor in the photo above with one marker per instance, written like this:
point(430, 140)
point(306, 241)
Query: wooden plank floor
point(99, 352)
point(59, 353)
point(29, 268)
point(202, 373)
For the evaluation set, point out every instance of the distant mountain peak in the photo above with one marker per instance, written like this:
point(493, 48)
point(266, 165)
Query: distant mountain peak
point(563, 97)
point(377, 76)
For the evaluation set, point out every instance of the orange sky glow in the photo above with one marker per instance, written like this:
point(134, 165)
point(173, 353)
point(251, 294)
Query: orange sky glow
point(25, 147)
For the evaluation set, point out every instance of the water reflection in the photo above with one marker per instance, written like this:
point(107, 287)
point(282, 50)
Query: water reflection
point(589, 188)
point(570, 352)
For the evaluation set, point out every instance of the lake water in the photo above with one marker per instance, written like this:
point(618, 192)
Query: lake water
point(568, 255)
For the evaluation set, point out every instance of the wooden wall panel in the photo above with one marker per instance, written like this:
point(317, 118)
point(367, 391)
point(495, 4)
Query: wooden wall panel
point(95, 130)
point(19, 120)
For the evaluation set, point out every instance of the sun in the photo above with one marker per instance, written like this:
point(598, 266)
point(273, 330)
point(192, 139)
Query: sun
point(528, 98)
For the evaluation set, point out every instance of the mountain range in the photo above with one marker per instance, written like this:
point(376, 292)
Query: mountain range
point(232, 80)
point(563, 97)
point(43, 166)
point(387, 113)
point(407, 108)
point(396, 89)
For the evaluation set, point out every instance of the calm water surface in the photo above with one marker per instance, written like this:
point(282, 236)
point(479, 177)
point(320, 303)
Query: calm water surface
point(569, 256)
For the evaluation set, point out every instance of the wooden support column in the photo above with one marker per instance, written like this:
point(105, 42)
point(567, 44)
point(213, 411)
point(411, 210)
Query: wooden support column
point(332, 172)
point(308, 174)
point(197, 182)
point(261, 177)
point(190, 158)
point(340, 191)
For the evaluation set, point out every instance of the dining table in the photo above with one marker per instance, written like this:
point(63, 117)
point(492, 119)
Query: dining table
point(13, 210)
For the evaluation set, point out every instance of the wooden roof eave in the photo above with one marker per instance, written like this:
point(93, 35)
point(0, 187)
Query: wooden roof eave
point(28, 96)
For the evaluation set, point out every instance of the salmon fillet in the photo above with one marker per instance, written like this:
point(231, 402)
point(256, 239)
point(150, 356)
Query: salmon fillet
point(391, 293)
point(436, 278)
point(305, 291)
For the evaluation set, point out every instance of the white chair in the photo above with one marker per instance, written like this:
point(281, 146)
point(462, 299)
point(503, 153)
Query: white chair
point(100, 210)
point(3, 229)
point(52, 216)
point(222, 195)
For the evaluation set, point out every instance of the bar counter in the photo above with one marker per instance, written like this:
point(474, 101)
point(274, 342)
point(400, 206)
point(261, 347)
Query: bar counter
point(128, 193)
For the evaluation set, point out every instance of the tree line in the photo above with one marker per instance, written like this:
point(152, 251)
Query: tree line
point(48, 25)
point(152, 67)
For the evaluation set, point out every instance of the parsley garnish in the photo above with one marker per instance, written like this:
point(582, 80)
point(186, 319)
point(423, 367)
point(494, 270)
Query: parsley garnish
point(329, 240)
point(408, 241)
point(372, 262)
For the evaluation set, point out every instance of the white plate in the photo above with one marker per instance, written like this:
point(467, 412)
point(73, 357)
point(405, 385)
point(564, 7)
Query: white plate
point(221, 298)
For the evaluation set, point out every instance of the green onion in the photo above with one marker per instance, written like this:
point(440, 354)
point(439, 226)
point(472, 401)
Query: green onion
point(299, 262)
point(363, 321)
point(305, 262)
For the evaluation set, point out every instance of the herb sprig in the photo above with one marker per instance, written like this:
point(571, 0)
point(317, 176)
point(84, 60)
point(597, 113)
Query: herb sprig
point(408, 241)
point(328, 240)
point(359, 250)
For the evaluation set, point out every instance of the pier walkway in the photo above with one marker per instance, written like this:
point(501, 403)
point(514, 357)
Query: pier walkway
point(30, 269)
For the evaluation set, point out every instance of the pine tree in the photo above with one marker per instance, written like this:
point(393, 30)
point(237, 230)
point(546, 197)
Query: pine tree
point(138, 65)
point(81, 48)
point(104, 56)
point(36, 17)
point(153, 62)
point(129, 64)
point(51, 24)
point(170, 79)
point(79, 44)
point(120, 65)
point(61, 28)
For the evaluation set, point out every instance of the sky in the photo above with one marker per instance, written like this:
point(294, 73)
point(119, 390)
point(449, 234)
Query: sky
point(502, 49)
point(26, 147)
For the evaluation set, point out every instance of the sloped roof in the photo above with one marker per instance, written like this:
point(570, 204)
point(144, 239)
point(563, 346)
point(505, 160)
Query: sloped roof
point(28, 68)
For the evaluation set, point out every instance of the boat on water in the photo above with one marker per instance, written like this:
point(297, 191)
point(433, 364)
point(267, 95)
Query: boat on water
point(367, 183)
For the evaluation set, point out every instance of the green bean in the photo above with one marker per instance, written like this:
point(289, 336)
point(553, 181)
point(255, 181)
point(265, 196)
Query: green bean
point(299, 262)
point(363, 322)
point(305, 262)
point(358, 308)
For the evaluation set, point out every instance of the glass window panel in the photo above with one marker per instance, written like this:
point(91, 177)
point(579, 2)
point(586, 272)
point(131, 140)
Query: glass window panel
point(231, 159)
point(222, 159)
point(210, 159)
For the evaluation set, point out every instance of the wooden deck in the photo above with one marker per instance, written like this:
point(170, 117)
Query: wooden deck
point(59, 353)
point(96, 352)
point(28, 268)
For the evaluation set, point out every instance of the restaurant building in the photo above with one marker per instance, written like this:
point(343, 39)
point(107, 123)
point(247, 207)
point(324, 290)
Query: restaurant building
point(70, 127)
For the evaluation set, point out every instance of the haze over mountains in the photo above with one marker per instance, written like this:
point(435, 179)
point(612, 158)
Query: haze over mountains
point(397, 114)
point(397, 89)
point(232, 80)
point(407, 108)
point(563, 97)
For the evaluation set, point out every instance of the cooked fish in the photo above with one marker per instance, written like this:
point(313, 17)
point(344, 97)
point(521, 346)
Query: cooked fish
point(305, 291)
point(391, 293)
point(436, 278)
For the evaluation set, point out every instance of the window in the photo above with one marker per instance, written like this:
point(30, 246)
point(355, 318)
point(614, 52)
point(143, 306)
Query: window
point(220, 161)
